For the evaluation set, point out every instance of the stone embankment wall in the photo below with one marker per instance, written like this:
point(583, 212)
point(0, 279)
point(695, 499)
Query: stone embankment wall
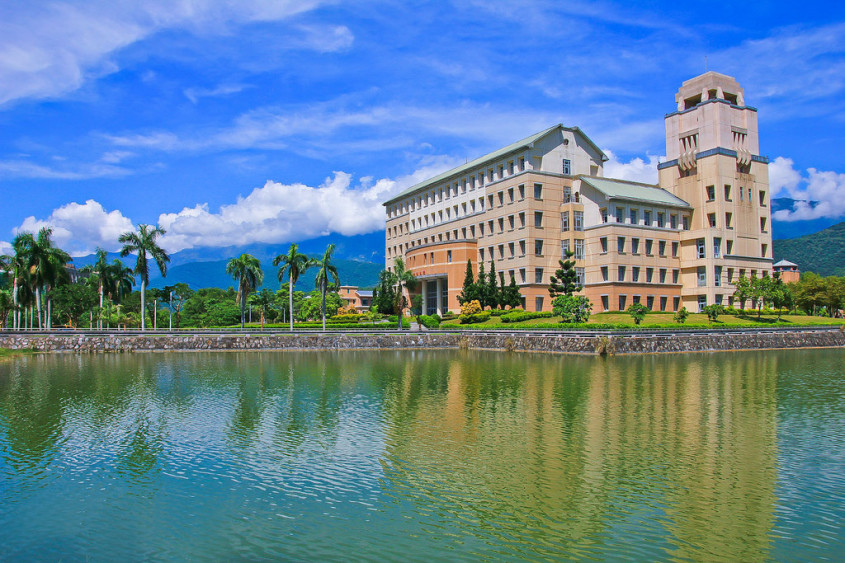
point(595, 344)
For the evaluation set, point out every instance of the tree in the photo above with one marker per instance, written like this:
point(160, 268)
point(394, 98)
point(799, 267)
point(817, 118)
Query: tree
point(246, 270)
point(144, 242)
point(780, 295)
point(264, 301)
point(404, 278)
point(6, 306)
point(481, 286)
point(119, 280)
point(493, 297)
point(572, 308)
point(565, 279)
point(295, 264)
point(326, 274)
point(18, 266)
point(681, 315)
point(510, 295)
point(742, 291)
point(384, 294)
point(638, 311)
point(74, 300)
point(46, 266)
point(312, 306)
point(100, 276)
point(713, 311)
point(470, 289)
point(177, 295)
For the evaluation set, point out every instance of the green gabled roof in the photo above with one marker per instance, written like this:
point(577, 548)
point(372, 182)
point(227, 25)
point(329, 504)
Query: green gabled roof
point(622, 189)
point(513, 147)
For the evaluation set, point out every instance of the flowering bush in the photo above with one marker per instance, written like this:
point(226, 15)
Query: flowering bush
point(471, 307)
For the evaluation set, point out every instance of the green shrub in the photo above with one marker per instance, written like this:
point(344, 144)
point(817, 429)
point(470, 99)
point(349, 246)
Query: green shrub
point(572, 308)
point(713, 311)
point(681, 315)
point(474, 318)
point(521, 316)
point(498, 312)
point(353, 317)
point(429, 321)
point(638, 311)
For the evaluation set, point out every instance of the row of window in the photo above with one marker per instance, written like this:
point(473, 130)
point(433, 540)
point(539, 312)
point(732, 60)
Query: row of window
point(633, 217)
point(622, 275)
point(621, 243)
point(493, 173)
point(623, 302)
point(701, 248)
point(710, 192)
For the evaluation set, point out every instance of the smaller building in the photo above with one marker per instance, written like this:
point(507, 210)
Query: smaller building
point(788, 271)
point(360, 299)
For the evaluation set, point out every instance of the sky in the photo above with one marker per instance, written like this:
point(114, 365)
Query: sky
point(238, 121)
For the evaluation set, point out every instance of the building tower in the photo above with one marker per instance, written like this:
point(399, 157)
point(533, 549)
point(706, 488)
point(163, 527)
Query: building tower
point(713, 163)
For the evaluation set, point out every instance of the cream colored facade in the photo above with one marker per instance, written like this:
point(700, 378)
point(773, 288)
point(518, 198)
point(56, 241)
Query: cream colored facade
point(524, 205)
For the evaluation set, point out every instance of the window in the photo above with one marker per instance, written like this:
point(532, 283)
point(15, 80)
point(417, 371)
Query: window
point(662, 275)
point(579, 220)
point(501, 198)
point(663, 300)
point(521, 189)
point(673, 221)
point(538, 247)
point(685, 221)
point(620, 214)
point(538, 303)
point(481, 253)
point(490, 201)
point(449, 256)
point(620, 245)
point(521, 163)
point(522, 275)
point(567, 170)
point(711, 193)
point(538, 191)
point(661, 247)
point(605, 305)
point(727, 192)
point(538, 275)
point(762, 198)
point(762, 224)
point(700, 247)
point(567, 193)
point(512, 249)
point(604, 273)
point(603, 211)
point(749, 195)
point(634, 216)
point(510, 170)
point(522, 220)
point(511, 222)
point(676, 302)
point(490, 226)
point(647, 218)
point(649, 246)
point(661, 220)
point(765, 250)
point(702, 303)
point(741, 191)
point(729, 246)
point(636, 299)
point(711, 219)
point(564, 249)
point(522, 248)
point(603, 241)
point(510, 193)
point(702, 276)
point(501, 171)
point(635, 274)
point(538, 219)
point(620, 273)
point(472, 231)
point(501, 251)
point(579, 249)
point(729, 221)
point(676, 275)
point(649, 300)
point(481, 229)
point(717, 247)
point(622, 301)
point(649, 275)
point(580, 277)
point(717, 278)
point(730, 275)
point(635, 246)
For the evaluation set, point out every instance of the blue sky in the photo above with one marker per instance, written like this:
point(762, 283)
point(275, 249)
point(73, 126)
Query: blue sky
point(233, 122)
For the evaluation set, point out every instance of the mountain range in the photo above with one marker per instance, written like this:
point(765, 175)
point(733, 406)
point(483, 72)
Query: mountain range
point(816, 245)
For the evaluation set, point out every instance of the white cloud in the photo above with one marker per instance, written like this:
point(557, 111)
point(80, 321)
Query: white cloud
point(48, 49)
point(635, 170)
point(5, 247)
point(194, 94)
point(817, 193)
point(26, 169)
point(279, 212)
point(80, 228)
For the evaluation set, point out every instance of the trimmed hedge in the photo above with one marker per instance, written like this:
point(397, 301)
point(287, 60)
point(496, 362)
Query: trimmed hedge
point(475, 318)
point(521, 316)
point(429, 321)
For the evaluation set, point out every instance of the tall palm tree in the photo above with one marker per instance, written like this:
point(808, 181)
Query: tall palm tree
point(46, 266)
point(405, 278)
point(119, 280)
point(246, 269)
point(326, 273)
point(18, 266)
point(295, 264)
point(99, 277)
point(143, 242)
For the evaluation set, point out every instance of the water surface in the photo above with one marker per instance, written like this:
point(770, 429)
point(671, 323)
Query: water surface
point(412, 455)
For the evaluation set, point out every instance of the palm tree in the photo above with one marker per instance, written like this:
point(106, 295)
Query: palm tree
point(46, 266)
point(295, 265)
point(403, 277)
point(99, 277)
point(327, 272)
point(119, 280)
point(143, 242)
point(247, 270)
point(18, 266)
point(263, 300)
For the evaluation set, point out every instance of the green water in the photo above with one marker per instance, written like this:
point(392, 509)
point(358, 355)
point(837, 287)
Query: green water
point(422, 455)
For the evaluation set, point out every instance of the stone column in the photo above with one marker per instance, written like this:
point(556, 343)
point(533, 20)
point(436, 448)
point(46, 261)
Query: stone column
point(439, 289)
point(424, 297)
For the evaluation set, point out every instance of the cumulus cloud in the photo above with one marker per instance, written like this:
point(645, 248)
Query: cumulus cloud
point(50, 48)
point(818, 193)
point(278, 212)
point(80, 228)
point(635, 170)
point(5, 247)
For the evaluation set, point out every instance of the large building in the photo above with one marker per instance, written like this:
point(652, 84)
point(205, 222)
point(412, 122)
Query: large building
point(680, 243)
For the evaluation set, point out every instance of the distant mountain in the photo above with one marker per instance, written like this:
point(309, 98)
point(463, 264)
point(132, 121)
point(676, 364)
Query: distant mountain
point(822, 252)
point(793, 229)
point(359, 259)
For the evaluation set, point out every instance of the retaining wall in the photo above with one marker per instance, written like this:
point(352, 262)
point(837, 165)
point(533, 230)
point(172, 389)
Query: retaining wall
point(596, 344)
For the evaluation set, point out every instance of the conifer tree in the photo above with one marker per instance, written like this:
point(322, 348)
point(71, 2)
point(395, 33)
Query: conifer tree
point(470, 290)
point(492, 287)
point(481, 286)
point(565, 280)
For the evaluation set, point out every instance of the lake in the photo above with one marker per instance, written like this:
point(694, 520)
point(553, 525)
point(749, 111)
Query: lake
point(421, 455)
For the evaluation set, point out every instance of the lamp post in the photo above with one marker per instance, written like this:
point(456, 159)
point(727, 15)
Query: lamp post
point(171, 312)
point(155, 313)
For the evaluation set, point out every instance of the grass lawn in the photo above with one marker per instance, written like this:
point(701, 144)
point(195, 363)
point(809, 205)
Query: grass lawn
point(695, 320)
